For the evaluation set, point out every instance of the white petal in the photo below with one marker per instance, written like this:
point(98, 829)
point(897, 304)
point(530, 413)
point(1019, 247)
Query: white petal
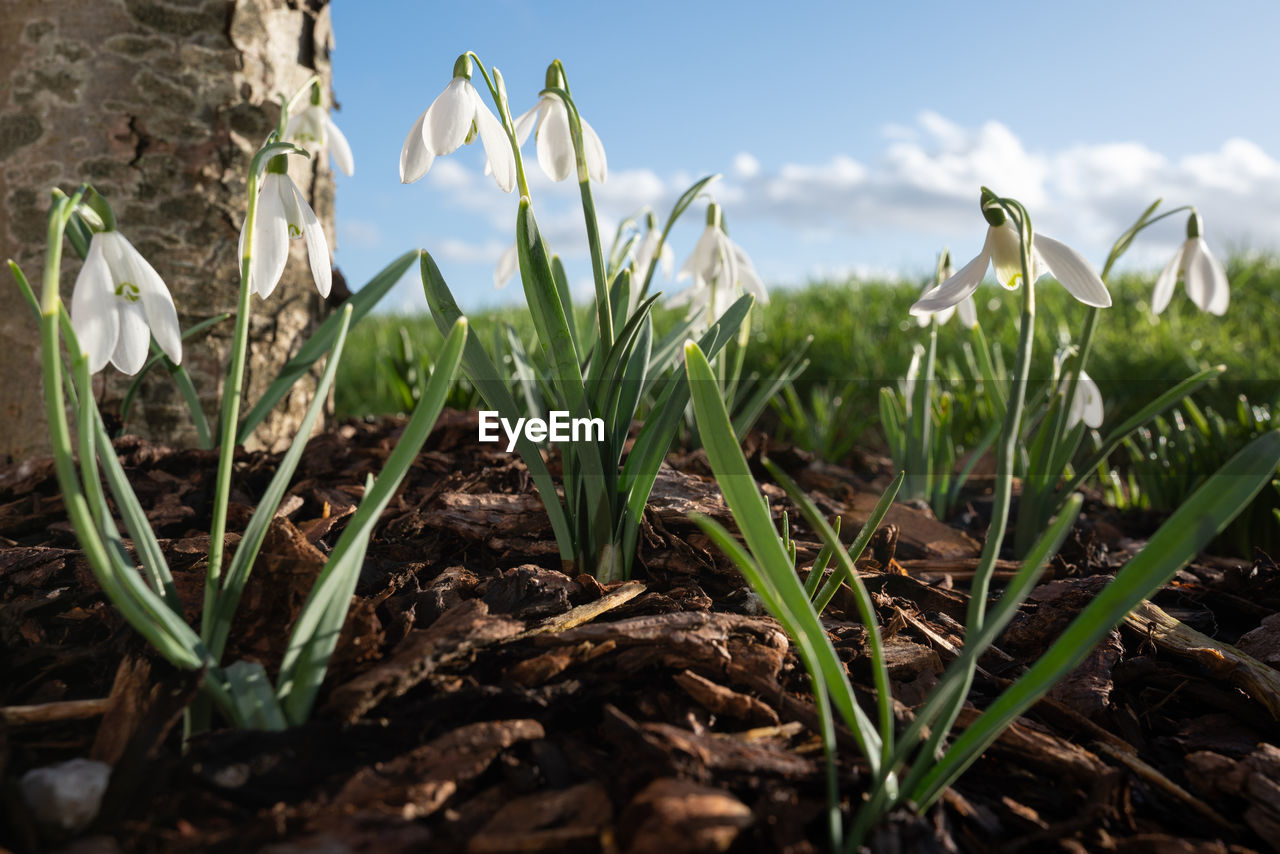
point(157, 304)
point(1166, 280)
point(726, 269)
point(506, 268)
point(449, 118)
point(497, 147)
point(524, 124)
point(131, 349)
point(1206, 280)
point(303, 219)
point(1087, 405)
point(307, 127)
point(415, 157)
point(270, 248)
point(923, 320)
point(1006, 255)
point(701, 262)
point(748, 278)
point(1071, 269)
point(339, 148)
point(959, 286)
point(93, 309)
point(968, 312)
point(667, 259)
point(597, 163)
point(555, 141)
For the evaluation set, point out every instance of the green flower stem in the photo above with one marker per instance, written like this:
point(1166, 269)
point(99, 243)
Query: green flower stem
point(230, 413)
point(603, 309)
point(498, 91)
point(1001, 498)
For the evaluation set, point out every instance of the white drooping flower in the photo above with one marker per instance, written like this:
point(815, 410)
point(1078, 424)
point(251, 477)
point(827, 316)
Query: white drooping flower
point(644, 253)
point(455, 117)
point(508, 263)
point(118, 303)
point(1205, 278)
point(721, 273)
point(313, 129)
point(555, 140)
point(283, 215)
point(1087, 405)
point(968, 311)
point(1002, 250)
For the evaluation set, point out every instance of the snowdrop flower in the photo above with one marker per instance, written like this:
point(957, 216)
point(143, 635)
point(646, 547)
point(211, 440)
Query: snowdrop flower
point(118, 303)
point(1087, 406)
point(968, 311)
point(721, 272)
point(508, 263)
point(555, 139)
point(283, 215)
point(455, 117)
point(1205, 278)
point(1002, 250)
point(313, 129)
point(648, 245)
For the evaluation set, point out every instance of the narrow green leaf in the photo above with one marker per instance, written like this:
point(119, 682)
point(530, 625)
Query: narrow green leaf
point(361, 302)
point(492, 387)
point(316, 633)
point(255, 532)
point(756, 524)
point(1202, 517)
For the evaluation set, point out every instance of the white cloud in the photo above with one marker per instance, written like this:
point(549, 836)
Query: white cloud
point(745, 166)
point(917, 193)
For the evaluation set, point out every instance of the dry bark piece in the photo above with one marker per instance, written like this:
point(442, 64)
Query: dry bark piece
point(554, 821)
point(418, 783)
point(463, 629)
point(679, 817)
point(1087, 689)
point(724, 701)
point(920, 535)
point(1250, 675)
point(1263, 643)
point(744, 650)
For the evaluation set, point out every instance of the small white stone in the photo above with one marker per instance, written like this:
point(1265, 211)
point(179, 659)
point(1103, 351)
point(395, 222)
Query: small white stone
point(66, 795)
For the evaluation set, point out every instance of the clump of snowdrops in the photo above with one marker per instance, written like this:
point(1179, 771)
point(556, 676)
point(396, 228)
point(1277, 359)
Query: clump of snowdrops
point(121, 309)
point(916, 764)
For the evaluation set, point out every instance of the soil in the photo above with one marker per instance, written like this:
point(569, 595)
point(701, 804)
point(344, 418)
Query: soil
point(481, 700)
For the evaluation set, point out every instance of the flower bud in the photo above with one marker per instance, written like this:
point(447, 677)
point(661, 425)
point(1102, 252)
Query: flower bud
point(1193, 226)
point(945, 270)
point(555, 76)
point(991, 210)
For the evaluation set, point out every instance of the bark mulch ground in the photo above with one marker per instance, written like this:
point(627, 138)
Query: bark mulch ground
point(481, 700)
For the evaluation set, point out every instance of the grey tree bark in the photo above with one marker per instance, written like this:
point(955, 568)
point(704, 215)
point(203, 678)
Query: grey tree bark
point(160, 106)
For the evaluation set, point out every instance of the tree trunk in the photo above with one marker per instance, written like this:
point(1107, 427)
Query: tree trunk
point(160, 106)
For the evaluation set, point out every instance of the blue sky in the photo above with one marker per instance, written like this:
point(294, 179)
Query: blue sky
point(852, 136)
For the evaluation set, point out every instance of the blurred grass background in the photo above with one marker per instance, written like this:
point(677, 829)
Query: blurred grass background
point(863, 338)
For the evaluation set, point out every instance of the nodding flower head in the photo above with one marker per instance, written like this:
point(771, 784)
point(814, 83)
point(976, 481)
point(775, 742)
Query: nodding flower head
point(1002, 250)
point(283, 215)
point(313, 129)
point(457, 116)
point(1205, 278)
point(118, 303)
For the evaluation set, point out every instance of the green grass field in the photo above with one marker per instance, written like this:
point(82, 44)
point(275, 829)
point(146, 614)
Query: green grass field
point(863, 334)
